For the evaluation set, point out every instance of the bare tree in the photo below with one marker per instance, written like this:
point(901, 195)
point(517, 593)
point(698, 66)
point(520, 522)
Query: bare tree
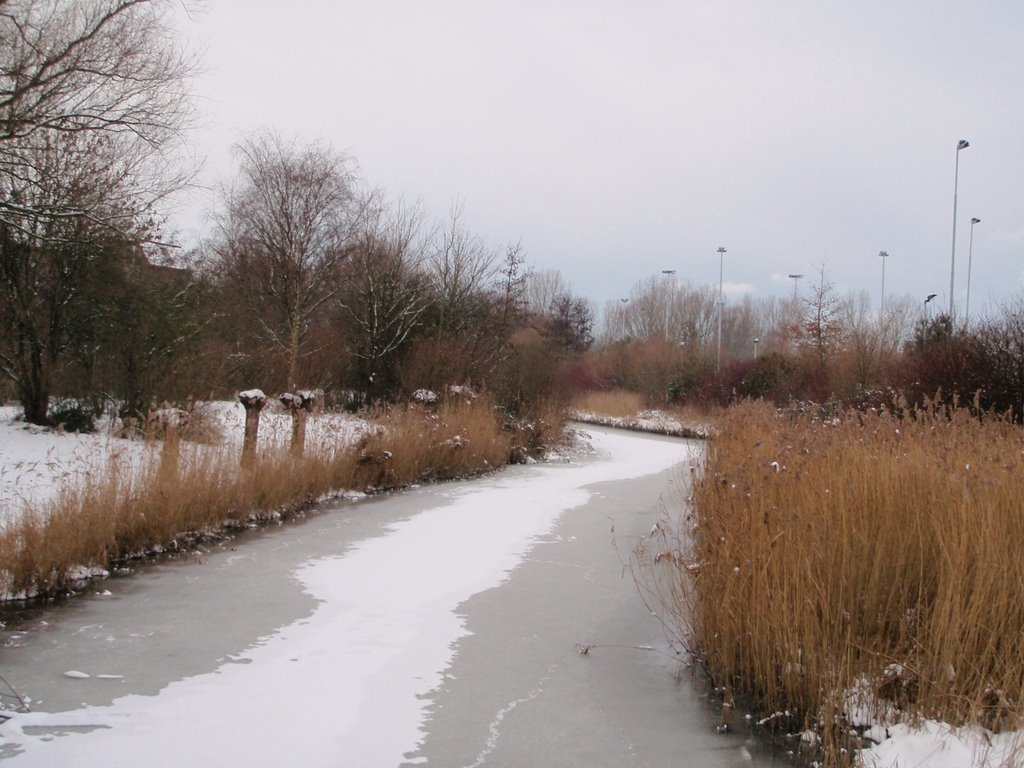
point(898, 322)
point(822, 326)
point(94, 103)
point(288, 223)
point(660, 308)
point(863, 334)
point(542, 288)
point(49, 265)
point(513, 283)
point(385, 294)
point(1001, 343)
point(742, 322)
point(107, 68)
point(461, 268)
point(776, 324)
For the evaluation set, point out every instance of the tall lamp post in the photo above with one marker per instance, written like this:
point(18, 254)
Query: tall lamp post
point(881, 305)
point(796, 279)
point(669, 294)
point(970, 258)
point(962, 144)
point(721, 301)
point(927, 321)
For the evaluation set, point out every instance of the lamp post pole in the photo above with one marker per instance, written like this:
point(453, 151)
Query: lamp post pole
point(669, 294)
point(721, 301)
point(962, 144)
point(796, 306)
point(796, 280)
point(970, 258)
point(881, 305)
point(928, 321)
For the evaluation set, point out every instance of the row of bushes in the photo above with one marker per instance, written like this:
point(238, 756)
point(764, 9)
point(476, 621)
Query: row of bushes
point(983, 363)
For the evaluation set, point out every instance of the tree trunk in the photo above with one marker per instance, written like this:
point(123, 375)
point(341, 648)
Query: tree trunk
point(293, 354)
point(34, 387)
point(253, 401)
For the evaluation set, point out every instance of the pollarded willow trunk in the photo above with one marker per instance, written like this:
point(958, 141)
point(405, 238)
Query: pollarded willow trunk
point(299, 405)
point(253, 400)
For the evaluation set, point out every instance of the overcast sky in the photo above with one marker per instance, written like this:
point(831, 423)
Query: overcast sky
point(619, 139)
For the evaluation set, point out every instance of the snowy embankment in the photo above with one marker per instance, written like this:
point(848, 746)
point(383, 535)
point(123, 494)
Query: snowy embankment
point(937, 745)
point(654, 422)
point(36, 463)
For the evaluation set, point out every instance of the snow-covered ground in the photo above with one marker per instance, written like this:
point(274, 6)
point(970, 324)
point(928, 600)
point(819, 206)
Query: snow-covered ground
point(936, 745)
point(36, 462)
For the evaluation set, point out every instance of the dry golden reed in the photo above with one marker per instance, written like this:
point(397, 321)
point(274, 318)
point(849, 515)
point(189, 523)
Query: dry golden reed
point(863, 550)
point(176, 495)
point(616, 403)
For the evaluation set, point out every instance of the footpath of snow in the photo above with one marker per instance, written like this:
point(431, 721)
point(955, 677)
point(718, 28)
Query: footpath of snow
point(348, 685)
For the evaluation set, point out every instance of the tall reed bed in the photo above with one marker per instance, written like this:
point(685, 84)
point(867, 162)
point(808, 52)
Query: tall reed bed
point(865, 557)
point(128, 510)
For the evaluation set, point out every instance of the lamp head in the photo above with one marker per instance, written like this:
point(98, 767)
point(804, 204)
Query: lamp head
point(975, 221)
point(962, 144)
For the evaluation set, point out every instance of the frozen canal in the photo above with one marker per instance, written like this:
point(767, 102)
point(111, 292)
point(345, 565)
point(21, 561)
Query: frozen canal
point(439, 626)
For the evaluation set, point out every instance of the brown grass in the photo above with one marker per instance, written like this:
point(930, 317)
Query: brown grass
point(616, 403)
point(174, 497)
point(865, 549)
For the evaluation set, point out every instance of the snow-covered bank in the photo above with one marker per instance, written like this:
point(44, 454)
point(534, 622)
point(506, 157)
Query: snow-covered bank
point(937, 745)
point(347, 685)
point(36, 463)
point(654, 422)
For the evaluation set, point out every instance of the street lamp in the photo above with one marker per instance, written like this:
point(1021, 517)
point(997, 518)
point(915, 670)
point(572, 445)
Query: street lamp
point(721, 301)
point(669, 294)
point(927, 322)
point(796, 279)
point(962, 144)
point(970, 258)
point(881, 306)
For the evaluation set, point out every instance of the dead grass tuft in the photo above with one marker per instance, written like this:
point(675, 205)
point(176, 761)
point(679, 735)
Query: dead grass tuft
point(616, 403)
